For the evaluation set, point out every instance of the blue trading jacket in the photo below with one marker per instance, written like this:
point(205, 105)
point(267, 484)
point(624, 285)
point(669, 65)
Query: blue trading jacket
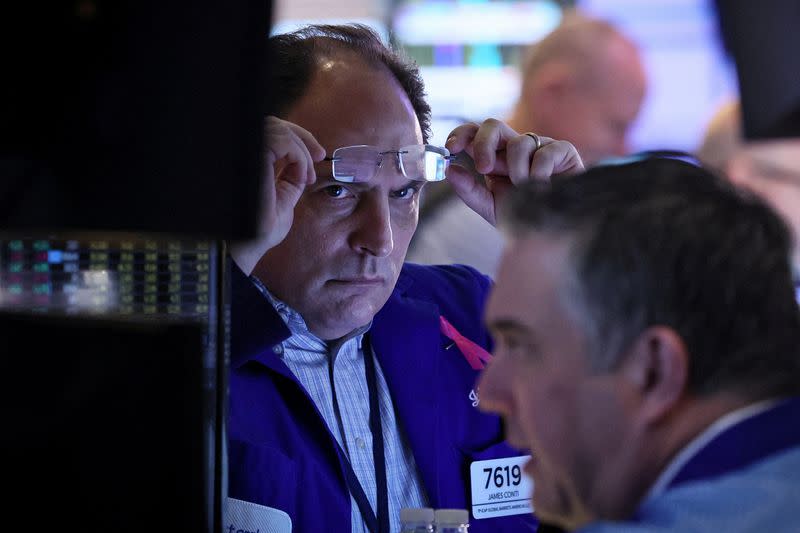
point(281, 453)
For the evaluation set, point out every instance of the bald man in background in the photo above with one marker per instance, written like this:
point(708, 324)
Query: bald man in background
point(584, 82)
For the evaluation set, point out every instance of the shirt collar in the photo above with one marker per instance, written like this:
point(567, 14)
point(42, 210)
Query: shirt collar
point(297, 324)
point(699, 442)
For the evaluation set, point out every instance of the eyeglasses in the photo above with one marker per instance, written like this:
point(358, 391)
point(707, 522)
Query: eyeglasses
point(419, 162)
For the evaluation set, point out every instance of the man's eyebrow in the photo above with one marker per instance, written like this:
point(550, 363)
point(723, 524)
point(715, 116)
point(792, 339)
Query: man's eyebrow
point(328, 180)
point(409, 183)
point(324, 181)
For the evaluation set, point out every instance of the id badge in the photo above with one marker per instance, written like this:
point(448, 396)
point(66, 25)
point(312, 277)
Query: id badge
point(500, 487)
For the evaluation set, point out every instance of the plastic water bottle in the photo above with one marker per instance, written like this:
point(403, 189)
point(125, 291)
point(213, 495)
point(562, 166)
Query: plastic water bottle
point(416, 520)
point(451, 521)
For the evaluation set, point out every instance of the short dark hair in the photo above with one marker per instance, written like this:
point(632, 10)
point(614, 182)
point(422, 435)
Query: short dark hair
point(293, 58)
point(664, 242)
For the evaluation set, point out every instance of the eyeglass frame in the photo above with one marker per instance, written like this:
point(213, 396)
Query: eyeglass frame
point(441, 150)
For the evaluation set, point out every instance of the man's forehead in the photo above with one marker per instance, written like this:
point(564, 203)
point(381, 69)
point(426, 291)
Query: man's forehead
point(532, 265)
point(337, 77)
point(349, 102)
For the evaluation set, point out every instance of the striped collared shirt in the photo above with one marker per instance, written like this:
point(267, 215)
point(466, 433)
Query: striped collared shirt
point(310, 359)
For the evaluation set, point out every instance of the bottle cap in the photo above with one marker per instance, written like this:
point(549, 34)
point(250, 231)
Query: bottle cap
point(451, 517)
point(417, 515)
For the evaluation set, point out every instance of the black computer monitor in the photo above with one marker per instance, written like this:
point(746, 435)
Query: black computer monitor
point(106, 424)
point(115, 361)
point(131, 146)
point(133, 115)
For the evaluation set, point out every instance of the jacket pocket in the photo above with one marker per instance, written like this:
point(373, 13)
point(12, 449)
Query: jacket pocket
point(262, 475)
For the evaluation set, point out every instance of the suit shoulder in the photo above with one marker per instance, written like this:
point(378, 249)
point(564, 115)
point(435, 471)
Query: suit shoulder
point(459, 291)
point(442, 279)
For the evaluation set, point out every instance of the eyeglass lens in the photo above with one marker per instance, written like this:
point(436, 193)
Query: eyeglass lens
point(359, 164)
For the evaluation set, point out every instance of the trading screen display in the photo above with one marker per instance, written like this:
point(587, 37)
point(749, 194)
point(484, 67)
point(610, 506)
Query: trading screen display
point(100, 298)
point(126, 275)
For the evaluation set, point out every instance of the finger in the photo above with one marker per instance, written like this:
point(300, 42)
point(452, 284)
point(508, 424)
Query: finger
point(491, 137)
point(460, 138)
point(472, 192)
point(281, 140)
point(306, 144)
point(295, 162)
point(306, 169)
point(300, 163)
point(519, 154)
point(499, 186)
point(288, 193)
point(269, 181)
point(555, 158)
point(315, 149)
point(292, 180)
point(292, 146)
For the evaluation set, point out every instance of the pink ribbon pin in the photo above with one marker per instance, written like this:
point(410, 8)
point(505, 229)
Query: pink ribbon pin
point(475, 355)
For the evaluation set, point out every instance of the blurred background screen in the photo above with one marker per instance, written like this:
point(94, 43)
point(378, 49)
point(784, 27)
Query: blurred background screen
point(124, 274)
point(476, 46)
point(115, 359)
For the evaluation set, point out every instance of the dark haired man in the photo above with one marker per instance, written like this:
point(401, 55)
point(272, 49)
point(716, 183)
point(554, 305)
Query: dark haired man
point(648, 352)
point(352, 374)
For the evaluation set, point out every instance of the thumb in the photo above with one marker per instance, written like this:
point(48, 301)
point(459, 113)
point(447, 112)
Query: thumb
point(288, 192)
point(472, 192)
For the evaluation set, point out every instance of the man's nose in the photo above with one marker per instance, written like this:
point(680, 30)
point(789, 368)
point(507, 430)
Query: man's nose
point(491, 386)
point(372, 234)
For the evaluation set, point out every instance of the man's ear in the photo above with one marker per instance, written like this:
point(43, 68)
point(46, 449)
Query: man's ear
point(657, 366)
point(549, 85)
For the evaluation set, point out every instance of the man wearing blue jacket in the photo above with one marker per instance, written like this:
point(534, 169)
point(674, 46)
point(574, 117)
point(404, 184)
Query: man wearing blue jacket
point(656, 379)
point(352, 389)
